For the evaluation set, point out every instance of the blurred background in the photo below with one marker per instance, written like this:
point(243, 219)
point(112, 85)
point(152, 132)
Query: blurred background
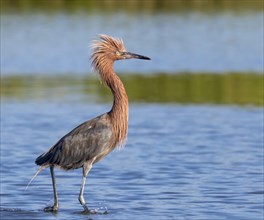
point(203, 51)
point(198, 103)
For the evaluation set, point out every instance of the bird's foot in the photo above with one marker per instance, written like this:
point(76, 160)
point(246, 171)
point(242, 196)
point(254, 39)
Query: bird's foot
point(53, 208)
point(87, 211)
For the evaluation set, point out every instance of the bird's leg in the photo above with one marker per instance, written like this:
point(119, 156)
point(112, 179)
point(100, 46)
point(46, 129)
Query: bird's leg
point(86, 168)
point(56, 204)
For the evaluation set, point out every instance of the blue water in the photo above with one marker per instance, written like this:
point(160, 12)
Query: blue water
point(180, 162)
point(58, 43)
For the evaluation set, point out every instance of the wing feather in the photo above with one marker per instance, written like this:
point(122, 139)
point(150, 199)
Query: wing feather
point(88, 141)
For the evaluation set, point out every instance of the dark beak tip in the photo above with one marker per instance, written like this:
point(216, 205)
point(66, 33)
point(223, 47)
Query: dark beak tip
point(136, 56)
point(144, 58)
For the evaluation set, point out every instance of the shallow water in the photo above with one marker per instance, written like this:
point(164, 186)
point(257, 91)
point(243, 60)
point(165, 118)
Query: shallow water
point(180, 162)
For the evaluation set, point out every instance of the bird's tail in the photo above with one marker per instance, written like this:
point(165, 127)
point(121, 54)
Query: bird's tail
point(41, 168)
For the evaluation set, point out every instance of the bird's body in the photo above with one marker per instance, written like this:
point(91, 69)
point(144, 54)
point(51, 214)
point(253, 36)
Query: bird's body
point(94, 139)
point(72, 150)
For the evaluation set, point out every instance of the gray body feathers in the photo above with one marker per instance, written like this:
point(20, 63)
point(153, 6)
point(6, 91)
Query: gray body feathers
point(90, 141)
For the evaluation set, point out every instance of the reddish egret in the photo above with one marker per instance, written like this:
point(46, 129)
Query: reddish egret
point(94, 139)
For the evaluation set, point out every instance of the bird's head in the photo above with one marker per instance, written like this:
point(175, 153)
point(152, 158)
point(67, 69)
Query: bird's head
point(108, 49)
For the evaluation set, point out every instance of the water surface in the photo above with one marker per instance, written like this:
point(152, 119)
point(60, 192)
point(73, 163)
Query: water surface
point(180, 162)
point(47, 42)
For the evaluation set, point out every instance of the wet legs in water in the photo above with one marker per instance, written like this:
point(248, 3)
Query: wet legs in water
point(86, 169)
point(56, 204)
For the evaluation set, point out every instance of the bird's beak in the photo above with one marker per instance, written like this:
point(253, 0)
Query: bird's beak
point(128, 55)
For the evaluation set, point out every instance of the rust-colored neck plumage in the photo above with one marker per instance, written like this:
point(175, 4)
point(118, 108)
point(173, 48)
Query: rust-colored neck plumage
point(103, 59)
point(119, 112)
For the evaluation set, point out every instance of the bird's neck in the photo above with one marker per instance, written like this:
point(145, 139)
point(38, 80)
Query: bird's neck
point(119, 112)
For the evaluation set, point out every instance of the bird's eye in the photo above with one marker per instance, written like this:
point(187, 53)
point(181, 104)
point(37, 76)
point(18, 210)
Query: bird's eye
point(118, 53)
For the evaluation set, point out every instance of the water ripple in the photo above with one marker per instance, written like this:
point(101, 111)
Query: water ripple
point(180, 162)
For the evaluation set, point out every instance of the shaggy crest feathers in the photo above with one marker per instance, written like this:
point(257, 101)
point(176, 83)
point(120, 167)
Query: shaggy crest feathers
point(104, 51)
